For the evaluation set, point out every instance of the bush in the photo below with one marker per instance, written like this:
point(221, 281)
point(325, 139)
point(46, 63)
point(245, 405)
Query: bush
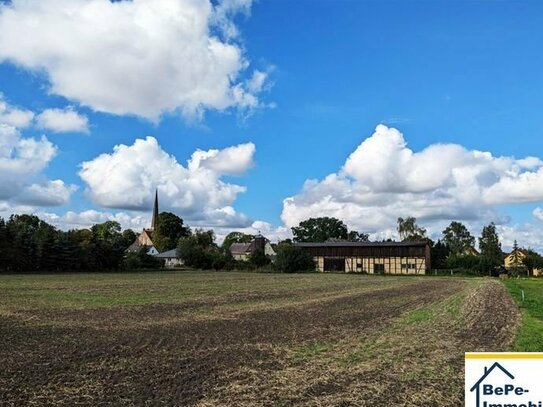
point(291, 259)
point(259, 259)
point(141, 260)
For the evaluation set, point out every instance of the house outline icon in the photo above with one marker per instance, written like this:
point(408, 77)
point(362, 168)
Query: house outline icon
point(476, 386)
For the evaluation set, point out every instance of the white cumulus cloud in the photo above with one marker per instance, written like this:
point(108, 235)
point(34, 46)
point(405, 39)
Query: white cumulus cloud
point(14, 116)
point(63, 121)
point(127, 178)
point(139, 57)
point(22, 161)
point(90, 217)
point(384, 179)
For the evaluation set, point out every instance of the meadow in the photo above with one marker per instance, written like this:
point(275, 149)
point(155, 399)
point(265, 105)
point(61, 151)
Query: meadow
point(530, 334)
point(245, 339)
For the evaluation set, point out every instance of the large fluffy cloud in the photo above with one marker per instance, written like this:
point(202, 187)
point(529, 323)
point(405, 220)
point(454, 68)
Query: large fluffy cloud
point(22, 161)
point(127, 178)
point(384, 179)
point(140, 57)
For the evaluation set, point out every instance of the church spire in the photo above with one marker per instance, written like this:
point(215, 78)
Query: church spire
point(155, 211)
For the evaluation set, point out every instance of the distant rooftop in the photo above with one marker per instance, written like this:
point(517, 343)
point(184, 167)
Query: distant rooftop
point(360, 244)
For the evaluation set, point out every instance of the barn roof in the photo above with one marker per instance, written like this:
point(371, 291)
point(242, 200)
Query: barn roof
point(362, 244)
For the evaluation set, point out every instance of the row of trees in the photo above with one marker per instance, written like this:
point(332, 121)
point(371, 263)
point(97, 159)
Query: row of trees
point(30, 244)
point(456, 248)
point(199, 250)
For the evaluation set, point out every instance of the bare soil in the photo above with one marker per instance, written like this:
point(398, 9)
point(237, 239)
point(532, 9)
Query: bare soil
point(255, 357)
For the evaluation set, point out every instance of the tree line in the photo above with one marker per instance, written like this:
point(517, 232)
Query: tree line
point(30, 244)
point(456, 249)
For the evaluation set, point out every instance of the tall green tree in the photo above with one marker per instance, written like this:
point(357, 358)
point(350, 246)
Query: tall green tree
point(458, 238)
point(490, 246)
point(439, 253)
point(199, 250)
point(517, 260)
point(4, 245)
point(409, 230)
point(291, 259)
point(106, 245)
point(259, 259)
point(354, 236)
point(129, 236)
point(321, 229)
point(168, 231)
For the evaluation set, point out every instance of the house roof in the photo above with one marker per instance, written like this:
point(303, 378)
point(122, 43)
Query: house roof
point(488, 371)
point(170, 254)
point(362, 244)
point(134, 247)
point(240, 248)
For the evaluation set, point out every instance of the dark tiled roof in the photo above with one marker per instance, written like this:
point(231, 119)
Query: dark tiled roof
point(240, 248)
point(361, 244)
point(170, 254)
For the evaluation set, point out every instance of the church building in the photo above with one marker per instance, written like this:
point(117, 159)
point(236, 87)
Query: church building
point(145, 238)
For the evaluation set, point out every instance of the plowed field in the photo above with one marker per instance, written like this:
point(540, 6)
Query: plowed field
point(233, 339)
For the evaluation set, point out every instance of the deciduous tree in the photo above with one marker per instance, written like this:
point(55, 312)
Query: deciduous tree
point(458, 238)
point(168, 231)
point(409, 230)
point(321, 229)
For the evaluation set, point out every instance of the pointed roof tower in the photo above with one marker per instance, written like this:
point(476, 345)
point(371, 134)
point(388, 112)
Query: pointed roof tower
point(155, 211)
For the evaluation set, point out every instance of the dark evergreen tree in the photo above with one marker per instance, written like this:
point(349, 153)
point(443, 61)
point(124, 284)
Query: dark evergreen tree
point(490, 247)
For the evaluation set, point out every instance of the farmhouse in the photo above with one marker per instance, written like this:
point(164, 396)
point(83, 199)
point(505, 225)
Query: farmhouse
point(171, 260)
point(514, 260)
point(242, 251)
point(370, 257)
point(145, 238)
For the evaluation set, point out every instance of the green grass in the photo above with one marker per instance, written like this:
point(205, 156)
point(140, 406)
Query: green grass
point(419, 315)
point(311, 351)
point(530, 335)
point(104, 290)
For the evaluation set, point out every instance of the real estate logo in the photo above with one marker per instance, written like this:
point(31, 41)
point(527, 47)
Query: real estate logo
point(504, 379)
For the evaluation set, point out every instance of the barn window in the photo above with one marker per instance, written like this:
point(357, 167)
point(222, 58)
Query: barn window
point(378, 268)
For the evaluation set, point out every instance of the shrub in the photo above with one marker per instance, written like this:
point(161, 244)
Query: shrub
point(291, 259)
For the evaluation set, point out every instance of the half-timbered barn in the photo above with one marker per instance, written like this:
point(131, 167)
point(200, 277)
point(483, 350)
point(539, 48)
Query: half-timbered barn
point(370, 257)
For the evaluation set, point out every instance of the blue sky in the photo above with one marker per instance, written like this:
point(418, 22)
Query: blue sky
point(467, 73)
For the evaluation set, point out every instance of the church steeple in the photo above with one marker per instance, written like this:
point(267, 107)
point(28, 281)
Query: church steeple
point(155, 211)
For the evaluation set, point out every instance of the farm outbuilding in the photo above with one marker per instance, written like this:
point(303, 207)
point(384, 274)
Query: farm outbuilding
point(370, 257)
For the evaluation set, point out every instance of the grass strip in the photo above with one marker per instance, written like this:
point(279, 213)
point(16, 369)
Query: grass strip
point(530, 335)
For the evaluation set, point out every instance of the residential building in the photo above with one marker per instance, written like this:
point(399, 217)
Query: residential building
point(243, 251)
point(515, 260)
point(171, 260)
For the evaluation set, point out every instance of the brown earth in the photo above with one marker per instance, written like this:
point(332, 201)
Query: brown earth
point(346, 350)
